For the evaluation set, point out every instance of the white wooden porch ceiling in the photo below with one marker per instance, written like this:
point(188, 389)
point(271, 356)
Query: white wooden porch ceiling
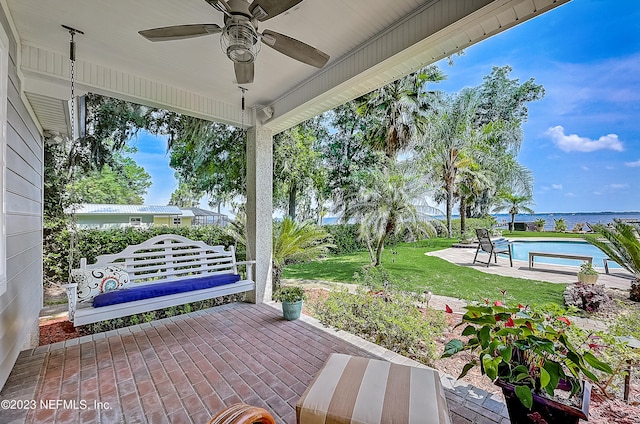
point(371, 42)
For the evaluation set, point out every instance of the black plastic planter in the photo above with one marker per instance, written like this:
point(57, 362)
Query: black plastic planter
point(544, 409)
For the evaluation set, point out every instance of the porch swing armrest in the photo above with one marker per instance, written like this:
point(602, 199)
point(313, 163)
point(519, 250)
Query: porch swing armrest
point(72, 294)
point(249, 268)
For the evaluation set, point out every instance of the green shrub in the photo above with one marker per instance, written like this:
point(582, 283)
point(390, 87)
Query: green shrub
point(392, 321)
point(471, 225)
point(347, 239)
point(92, 243)
point(375, 278)
point(627, 325)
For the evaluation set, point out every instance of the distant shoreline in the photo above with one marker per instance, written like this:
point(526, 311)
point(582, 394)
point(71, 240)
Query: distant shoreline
point(570, 218)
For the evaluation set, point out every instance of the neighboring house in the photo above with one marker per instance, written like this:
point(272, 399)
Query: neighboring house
point(205, 217)
point(117, 216)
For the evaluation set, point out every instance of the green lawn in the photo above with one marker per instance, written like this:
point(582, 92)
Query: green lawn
point(417, 272)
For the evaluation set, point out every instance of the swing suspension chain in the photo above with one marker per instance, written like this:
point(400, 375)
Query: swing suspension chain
point(72, 150)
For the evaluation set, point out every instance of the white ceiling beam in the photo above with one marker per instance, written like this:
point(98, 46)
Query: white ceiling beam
point(47, 73)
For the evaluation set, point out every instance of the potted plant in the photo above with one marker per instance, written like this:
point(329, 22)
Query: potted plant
point(587, 274)
point(530, 356)
point(292, 298)
point(539, 224)
point(560, 225)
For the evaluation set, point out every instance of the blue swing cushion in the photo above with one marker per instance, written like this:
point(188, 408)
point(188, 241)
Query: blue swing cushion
point(162, 289)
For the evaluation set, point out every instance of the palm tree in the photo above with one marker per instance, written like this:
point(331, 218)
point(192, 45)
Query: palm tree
point(449, 141)
point(507, 175)
point(472, 181)
point(396, 108)
point(394, 201)
point(514, 203)
point(622, 244)
point(297, 242)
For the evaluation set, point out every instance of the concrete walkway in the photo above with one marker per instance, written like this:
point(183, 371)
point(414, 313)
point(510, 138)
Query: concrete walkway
point(617, 279)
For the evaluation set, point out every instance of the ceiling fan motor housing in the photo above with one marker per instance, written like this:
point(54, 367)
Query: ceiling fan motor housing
point(240, 40)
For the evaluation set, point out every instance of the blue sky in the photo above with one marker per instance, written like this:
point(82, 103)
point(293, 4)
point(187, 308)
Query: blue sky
point(153, 157)
point(582, 141)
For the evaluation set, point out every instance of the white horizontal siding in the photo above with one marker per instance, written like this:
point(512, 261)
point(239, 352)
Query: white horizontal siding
point(20, 305)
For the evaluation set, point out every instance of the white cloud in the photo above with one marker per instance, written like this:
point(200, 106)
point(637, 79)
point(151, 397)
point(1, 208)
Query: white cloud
point(570, 195)
point(556, 186)
point(617, 186)
point(575, 143)
point(573, 89)
point(633, 164)
point(609, 168)
point(584, 168)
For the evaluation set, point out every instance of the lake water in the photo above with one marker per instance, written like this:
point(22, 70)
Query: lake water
point(570, 218)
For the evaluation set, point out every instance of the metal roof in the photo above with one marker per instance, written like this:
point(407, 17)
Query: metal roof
point(202, 212)
point(105, 209)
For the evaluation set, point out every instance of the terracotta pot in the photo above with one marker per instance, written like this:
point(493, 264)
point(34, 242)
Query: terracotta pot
point(544, 409)
point(587, 278)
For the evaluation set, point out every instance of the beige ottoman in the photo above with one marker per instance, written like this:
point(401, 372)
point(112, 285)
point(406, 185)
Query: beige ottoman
point(365, 391)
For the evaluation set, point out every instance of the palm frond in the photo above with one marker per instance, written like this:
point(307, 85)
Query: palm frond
point(621, 243)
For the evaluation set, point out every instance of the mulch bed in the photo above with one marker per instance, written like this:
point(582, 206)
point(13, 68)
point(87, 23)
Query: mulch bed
point(57, 330)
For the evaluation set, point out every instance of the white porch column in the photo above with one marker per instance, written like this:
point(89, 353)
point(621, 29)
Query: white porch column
point(260, 208)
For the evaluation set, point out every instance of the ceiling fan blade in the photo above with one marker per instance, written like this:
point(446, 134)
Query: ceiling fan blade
point(267, 9)
point(179, 32)
point(220, 5)
point(244, 72)
point(295, 49)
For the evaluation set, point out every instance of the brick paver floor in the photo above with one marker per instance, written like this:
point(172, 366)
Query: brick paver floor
point(185, 369)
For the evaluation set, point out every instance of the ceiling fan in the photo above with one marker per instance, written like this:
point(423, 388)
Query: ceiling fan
point(240, 39)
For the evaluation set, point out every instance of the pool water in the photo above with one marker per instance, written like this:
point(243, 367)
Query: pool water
point(521, 249)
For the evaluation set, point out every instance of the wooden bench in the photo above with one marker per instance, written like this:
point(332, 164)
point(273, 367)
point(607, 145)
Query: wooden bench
point(584, 258)
point(605, 262)
point(171, 269)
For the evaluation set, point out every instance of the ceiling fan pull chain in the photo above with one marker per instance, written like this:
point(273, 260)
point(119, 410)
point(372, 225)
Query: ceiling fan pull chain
point(243, 91)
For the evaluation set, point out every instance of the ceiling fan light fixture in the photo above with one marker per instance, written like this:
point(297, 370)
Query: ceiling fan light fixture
point(240, 42)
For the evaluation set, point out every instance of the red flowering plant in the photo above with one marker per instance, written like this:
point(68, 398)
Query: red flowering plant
point(528, 349)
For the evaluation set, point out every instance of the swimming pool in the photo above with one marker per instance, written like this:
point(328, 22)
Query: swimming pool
point(521, 249)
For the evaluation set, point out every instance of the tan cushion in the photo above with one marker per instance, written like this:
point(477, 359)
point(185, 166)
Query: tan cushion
point(365, 391)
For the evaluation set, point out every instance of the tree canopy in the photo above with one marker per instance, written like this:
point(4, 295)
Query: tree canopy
point(124, 182)
point(466, 142)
